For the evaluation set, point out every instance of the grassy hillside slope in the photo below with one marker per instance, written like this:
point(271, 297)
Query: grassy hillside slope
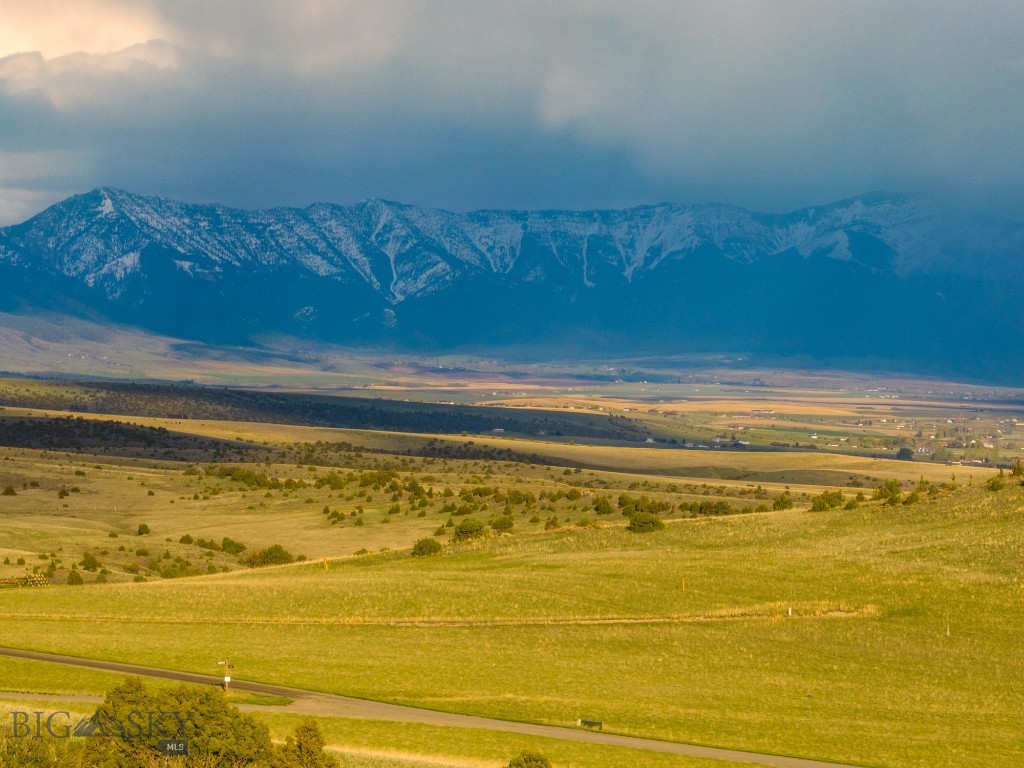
point(902, 643)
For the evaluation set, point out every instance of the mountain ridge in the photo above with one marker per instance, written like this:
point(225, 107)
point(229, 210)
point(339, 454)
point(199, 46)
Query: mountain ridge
point(663, 276)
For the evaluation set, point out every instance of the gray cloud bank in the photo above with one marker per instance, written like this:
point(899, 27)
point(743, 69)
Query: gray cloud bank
point(770, 105)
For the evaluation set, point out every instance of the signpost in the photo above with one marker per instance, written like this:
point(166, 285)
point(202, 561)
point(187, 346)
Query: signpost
point(228, 666)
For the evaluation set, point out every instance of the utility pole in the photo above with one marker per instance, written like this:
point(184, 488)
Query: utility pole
point(228, 666)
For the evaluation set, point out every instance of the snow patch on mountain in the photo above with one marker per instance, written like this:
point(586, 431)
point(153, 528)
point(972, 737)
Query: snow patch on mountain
point(114, 272)
point(106, 207)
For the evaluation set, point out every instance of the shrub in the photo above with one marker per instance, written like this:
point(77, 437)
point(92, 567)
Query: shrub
point(9, 491)
point(503, 523)
point(89, 562)
point(833, 499)
point(470, 528)
point(529, 760)
point(75, 579)
point(218, 733)
point(707, 507)
point(827, 500)
point(143, 529)
point(889, 491)
point(995, 484)
point(630, 505)
point(272, 555)
point(305, 749)
point(644, 522)
point(186, 539)
point(231, 546)
point(425, 547)
point(783, 501)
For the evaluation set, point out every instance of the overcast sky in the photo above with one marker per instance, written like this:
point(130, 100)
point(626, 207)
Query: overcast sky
point(255, 103)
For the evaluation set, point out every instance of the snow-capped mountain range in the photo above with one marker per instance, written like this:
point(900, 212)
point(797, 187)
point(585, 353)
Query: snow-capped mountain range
point(663, 276)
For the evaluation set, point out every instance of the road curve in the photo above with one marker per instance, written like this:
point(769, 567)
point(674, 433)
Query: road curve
point(332, 705)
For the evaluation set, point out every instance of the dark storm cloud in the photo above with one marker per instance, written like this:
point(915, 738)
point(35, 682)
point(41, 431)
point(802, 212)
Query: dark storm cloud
point(770, 105)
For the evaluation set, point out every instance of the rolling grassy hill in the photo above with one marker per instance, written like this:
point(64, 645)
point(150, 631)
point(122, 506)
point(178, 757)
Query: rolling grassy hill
point(901, 642)
point(880, 634)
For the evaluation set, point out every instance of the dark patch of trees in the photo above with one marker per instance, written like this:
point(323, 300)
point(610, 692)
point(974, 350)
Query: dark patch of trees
point(113, 438)
point(197, 402)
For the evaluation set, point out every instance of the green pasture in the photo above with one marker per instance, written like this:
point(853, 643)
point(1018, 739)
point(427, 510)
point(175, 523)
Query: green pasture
point(902, 643)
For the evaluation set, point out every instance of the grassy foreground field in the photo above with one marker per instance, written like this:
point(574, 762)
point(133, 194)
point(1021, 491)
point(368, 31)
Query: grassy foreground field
point(902, 644)
point(869, 633)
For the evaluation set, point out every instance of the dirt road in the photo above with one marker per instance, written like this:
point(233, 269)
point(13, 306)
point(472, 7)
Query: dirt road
point(331, 705)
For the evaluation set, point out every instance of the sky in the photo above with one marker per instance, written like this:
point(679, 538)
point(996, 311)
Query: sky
point(770, 105)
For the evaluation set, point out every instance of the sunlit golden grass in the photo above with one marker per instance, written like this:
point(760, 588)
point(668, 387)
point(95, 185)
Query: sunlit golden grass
point(367, 744)
point(878, 635)
point(906, 623)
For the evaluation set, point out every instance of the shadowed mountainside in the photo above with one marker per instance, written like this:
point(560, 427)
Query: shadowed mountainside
point(877, 278)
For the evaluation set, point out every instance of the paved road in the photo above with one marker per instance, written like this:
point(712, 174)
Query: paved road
point(330, 705)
